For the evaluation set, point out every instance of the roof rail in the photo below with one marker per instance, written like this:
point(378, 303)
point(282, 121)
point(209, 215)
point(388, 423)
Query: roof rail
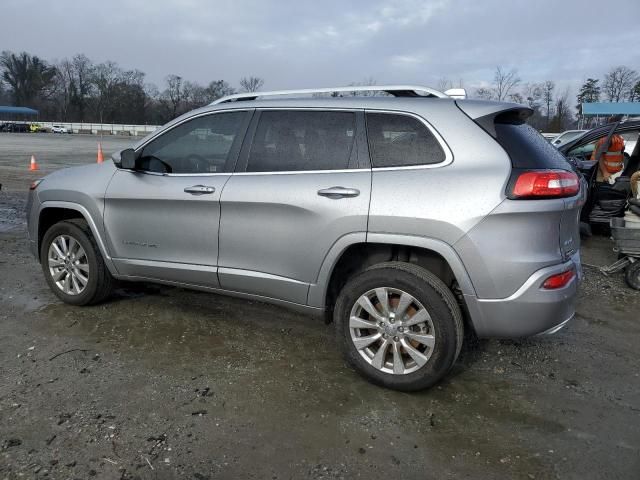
point(395, 90)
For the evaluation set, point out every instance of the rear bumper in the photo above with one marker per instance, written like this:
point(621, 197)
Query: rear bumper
point(531, 310)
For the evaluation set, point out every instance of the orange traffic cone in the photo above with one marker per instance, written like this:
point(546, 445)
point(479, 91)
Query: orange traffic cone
point(100, 156)
point(33, 165)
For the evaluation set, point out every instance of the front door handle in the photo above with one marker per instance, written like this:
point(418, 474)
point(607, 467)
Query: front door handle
point(339, 192)
point(200, 190)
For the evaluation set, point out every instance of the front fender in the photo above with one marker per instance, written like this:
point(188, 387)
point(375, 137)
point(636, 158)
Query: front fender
point(96, 226)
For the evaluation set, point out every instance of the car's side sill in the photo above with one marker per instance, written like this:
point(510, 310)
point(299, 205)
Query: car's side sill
point(304, 309)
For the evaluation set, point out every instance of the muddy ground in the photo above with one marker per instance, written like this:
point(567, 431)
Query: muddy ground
point(163, 383)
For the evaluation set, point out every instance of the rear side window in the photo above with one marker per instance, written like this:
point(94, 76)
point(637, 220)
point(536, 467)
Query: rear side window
point(400, 141)
point(289, 140)
point(527, 148)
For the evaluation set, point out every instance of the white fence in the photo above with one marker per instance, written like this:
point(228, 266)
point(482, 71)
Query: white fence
point(100, 128)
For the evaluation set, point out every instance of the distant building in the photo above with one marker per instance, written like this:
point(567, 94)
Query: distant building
point(18, 113)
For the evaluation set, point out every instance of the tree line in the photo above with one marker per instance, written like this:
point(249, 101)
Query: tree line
point(79, 90)
point(552, 111)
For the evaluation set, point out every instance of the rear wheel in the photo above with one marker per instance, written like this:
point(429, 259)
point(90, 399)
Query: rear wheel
point(72, 264)
point(632, 275)
point(399, 326)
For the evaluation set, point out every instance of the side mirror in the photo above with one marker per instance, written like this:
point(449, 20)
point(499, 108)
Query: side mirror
point(125, 159)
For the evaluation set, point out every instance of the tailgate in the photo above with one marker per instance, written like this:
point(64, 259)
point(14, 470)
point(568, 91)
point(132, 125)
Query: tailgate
point(570, 225)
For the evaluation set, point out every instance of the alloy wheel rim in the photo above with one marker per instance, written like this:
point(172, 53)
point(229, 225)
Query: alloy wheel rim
point(392, 331)
point(68, 265)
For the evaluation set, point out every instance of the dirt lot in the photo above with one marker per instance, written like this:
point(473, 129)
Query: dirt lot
point(162, 383)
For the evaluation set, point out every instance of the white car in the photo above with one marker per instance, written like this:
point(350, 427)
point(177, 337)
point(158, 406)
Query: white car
point(565, 137)
point(59, 129)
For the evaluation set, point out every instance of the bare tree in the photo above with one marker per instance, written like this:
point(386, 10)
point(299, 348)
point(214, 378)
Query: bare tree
point(174, 94)
point(65, 86)
point(547, 97)
point(484, 93)
point(635, 92)
point(504, 82)
point(444, 84)
point(29, 77)
point(367, 82)
point(619, 82)
point(105, 77)
point(251, 84)
point(516, 97)
point(81, 85)
point(533, 94)
point(562, 115)
point(195, 95)
point(218, 89)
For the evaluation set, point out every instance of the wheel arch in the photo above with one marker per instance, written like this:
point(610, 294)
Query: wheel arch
point(52, 212)
point(353, 253)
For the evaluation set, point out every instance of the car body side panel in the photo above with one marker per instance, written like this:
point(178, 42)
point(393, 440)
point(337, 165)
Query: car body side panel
point(442, 201)
point(156, 229)
point(275, 229)
point(81, 189)
point(518, 238)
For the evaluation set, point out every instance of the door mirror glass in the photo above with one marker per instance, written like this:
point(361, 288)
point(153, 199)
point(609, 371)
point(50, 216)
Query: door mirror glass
point(128, 159)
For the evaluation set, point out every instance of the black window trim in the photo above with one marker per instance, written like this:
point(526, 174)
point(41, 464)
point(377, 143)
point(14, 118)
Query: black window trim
point(448, 154)
point(234, 152)
point(360, 149)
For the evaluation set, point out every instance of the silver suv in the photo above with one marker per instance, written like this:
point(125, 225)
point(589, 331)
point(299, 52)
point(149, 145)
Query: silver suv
point(405, 218)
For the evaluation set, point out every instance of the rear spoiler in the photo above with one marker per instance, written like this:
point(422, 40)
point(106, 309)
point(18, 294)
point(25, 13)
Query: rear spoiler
point(487, 114)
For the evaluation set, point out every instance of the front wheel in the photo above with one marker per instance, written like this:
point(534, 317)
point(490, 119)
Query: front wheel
point(72, 264)
point(399, 326)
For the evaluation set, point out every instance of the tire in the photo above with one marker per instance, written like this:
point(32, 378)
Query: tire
point(632, 275)
point(99, 283)
point(443, 328)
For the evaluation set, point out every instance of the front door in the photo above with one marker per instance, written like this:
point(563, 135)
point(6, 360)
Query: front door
point(162, 219)
point(303, 183)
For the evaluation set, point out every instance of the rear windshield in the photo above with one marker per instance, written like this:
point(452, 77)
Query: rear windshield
point(527, 148)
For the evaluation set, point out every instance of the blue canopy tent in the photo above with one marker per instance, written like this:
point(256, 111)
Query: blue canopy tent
point(621, 108)
point(605, 110)
point(17, 113)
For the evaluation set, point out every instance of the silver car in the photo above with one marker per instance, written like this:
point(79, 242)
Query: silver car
point(404, 217)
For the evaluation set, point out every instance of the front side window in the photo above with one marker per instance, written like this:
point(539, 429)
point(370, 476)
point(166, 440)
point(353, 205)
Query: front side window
point(201, 145)
point(400, 141)
point(289, 140)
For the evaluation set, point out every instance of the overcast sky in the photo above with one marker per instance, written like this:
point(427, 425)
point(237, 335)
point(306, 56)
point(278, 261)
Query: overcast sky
point(328, 42)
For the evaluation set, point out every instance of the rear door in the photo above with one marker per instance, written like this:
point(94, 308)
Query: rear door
point(302, 183)
point(162, 219)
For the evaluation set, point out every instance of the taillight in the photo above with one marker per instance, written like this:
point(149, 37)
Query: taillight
point(35, 184)
point(536, 184)
point(559, 280)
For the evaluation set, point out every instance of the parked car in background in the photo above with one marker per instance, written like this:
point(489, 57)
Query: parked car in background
point(17, 127)
point(36, 128)
point(565, 137)
point(606, 199)
point(59, 129)
point(403, 219)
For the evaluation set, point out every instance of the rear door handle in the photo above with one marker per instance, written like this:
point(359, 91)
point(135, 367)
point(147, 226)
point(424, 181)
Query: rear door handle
point(338, 192)
point(200, 190)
